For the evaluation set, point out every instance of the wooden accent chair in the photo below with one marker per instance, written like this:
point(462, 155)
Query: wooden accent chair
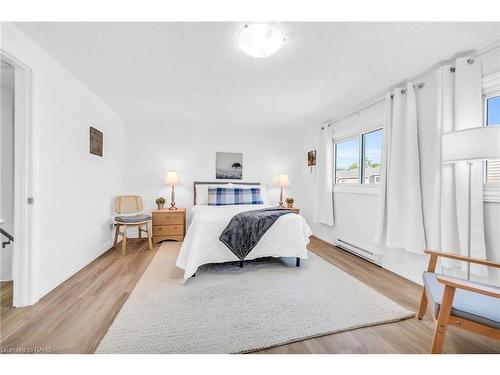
point(465, 304)
point(129, 208)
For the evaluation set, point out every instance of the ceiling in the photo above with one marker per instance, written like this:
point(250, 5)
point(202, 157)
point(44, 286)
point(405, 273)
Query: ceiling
point(187, 74)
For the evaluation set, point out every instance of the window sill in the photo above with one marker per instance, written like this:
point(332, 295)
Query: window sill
point(357, 189)
point(491, 193)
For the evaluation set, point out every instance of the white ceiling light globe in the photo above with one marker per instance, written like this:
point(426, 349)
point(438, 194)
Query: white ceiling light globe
point(261, 39)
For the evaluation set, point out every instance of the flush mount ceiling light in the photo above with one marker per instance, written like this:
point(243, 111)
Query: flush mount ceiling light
point(261, 39)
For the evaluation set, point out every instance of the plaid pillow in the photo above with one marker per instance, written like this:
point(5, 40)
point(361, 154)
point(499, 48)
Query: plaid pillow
point(221, 196)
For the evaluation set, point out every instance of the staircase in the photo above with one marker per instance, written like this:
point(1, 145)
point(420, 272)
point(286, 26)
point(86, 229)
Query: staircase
point(9, 237)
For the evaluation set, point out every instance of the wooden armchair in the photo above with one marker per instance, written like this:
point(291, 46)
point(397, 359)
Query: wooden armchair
point(465, 304)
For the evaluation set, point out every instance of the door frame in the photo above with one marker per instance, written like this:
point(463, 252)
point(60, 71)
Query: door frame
point(24, 257)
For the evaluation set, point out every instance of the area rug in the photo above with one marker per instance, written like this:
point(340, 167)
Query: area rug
point(227, 309)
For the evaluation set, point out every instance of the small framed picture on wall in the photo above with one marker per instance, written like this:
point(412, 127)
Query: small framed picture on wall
point(95, 141)
point(311, 164)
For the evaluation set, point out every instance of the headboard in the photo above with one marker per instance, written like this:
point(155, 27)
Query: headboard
point(218, 183)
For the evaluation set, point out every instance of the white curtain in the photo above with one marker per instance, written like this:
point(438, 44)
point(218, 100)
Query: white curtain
point(460, 107)
point(444, 227)
point(381, 223)
point(323, 202)
point(401, 223)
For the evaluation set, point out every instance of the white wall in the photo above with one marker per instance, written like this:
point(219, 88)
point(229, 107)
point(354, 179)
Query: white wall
point(7, 169)
point(356, 212)
point(154, 148)
point(73, 189)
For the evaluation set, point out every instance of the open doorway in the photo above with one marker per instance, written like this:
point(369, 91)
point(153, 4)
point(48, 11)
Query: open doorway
point(7, 80)
point(17, 263)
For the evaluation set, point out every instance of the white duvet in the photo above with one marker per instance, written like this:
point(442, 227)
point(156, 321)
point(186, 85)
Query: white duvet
point(287, 237)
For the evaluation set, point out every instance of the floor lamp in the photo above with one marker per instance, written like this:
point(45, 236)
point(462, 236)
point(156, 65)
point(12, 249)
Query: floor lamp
point(471, 146)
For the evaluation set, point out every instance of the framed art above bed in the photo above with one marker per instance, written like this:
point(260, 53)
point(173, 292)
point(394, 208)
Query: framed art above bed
point(228, 165)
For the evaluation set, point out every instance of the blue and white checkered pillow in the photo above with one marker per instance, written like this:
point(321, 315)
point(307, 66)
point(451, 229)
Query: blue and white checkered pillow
point(221, 196)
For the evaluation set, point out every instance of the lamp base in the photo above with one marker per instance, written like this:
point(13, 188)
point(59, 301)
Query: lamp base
point(172, 203)
point(280, 204)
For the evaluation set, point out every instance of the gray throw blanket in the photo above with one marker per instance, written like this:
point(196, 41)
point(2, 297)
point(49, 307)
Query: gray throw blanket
point(246, 229)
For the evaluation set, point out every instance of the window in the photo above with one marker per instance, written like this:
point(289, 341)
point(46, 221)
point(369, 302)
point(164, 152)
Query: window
point(366, 147)
point(347, 161)
point(372, 157)
point(492, 116)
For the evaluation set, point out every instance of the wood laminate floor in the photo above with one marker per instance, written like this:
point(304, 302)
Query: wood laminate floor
point(75, 316)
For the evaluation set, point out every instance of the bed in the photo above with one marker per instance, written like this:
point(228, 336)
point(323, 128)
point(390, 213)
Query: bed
point(287, 237)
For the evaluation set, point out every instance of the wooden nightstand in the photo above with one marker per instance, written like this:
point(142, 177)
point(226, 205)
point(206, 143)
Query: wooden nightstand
point(294, 209)
point(169, 224)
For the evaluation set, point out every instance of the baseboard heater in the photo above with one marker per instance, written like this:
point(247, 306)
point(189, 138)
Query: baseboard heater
point(358, 251)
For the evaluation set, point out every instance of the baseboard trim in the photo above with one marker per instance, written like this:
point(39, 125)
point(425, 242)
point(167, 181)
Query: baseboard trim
point(416, 278)
point(346, 248)
point(315, 237)
point(51, 285)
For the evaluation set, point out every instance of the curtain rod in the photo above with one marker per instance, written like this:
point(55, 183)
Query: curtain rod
point(419, 85)
point(471, 59)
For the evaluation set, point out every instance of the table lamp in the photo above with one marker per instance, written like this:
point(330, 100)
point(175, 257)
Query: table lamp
point(172, 179)
point(283, 181)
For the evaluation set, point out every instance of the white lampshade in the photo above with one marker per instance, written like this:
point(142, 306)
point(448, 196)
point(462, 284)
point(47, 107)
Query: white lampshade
point(283, 180)
point(479, 143)
point(261, 39)
point(172, 178)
